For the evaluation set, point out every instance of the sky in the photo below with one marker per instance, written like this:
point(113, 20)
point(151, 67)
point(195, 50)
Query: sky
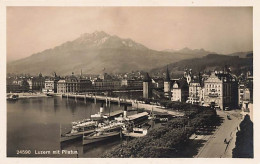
point(218, 29)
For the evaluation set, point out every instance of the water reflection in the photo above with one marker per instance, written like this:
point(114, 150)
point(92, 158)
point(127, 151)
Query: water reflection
point(55, 105)
point(35, 124)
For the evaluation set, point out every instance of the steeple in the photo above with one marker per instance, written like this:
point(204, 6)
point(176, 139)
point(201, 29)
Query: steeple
point(200, 79)
point(167, 78)
point(81, 73)
point(147, 77)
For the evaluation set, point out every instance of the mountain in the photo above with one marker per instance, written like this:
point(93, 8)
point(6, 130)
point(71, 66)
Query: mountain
point(207, 63)
point(97, 52)
point(190, 53)
point(242, 54)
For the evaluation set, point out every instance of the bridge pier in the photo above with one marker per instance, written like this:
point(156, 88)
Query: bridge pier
point(106, 101)
point(85, 99)
point(118, 101)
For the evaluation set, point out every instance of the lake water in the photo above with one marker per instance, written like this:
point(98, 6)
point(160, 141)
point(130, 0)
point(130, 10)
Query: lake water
point(34, 124)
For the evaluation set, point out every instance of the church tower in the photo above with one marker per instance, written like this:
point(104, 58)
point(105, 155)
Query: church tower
point(147, 86)
point(167, 84)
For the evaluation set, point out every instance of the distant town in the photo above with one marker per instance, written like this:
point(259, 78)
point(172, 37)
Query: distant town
point(219, 89)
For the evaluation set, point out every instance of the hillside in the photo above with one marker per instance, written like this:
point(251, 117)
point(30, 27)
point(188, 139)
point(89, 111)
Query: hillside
point(94, 52)
point(207, 63)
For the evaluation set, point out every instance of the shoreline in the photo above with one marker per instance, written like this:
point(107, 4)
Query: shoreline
point(29, 95)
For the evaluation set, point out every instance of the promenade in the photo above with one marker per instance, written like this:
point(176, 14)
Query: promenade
point(215, 147)
point(30, 95)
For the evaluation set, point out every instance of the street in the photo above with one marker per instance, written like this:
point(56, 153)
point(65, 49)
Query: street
point(215, 146)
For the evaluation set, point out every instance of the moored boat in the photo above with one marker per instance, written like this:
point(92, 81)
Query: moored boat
point(78, 130)
point(12, 97)
point(136, 132)
point(110, 130)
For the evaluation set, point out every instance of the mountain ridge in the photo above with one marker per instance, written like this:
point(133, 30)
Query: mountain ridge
point(92, 52)
point(209, 62)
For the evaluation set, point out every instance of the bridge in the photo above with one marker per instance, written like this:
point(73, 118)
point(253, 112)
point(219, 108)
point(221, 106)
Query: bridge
point(120, 101)
point(95, 98)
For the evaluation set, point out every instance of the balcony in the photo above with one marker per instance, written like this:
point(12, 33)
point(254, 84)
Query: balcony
point(213, 94)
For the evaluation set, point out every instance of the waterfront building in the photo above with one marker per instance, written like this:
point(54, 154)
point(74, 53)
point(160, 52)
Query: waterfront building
point(36, 83)
point(221, 90)
point(77, 85)
point(24, 84)
point(147, 86)
point(106, 84)
point(180, 90)
point(50, 86)
point(132, 83)
point(61, 86)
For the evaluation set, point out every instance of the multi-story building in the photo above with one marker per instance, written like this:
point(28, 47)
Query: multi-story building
point(50, 86)
point(180, 90)
point(195, 93)
point(220, 90)
point(36, 83)
point(132, 83)
point(61, 86)
point(100, 84)
point(77, 85)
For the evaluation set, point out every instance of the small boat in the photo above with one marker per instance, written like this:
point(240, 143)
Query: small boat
point(136, 132)
point(113, 129)
point(12, 97)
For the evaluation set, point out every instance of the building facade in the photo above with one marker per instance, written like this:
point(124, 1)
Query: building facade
point(36, 83)
point(195, 93)
point(50, 86)
point(61, 86)
point(220, 90)
point(77, 84)
point(180, 90)
point(131, 83)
